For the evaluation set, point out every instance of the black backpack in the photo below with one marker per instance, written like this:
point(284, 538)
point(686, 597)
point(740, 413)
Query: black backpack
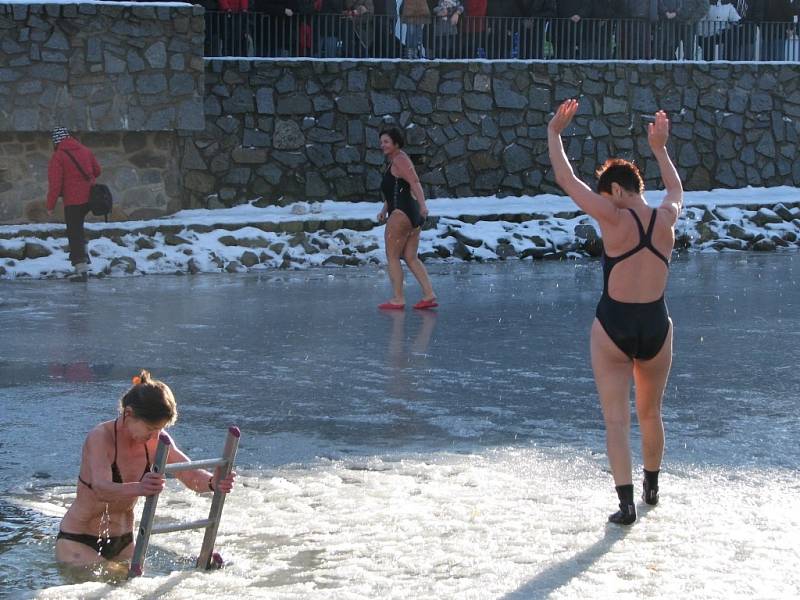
point(100, 200)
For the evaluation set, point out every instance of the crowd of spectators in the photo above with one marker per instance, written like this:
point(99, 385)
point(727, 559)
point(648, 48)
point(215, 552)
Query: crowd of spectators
point(503, 29)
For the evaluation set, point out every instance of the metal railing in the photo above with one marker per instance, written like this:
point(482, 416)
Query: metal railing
point(253, 34)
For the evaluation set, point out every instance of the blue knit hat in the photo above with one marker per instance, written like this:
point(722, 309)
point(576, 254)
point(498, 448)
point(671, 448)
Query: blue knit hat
point(59, 134)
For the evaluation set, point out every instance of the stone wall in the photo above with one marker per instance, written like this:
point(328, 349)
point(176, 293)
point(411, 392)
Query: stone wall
point(141, 168)
point(93, 67)
point(288, 130)
point(123, 78)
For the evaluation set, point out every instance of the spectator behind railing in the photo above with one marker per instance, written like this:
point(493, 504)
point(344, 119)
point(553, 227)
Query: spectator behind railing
point(504, 31)
point(675, 30)
point(229, 36)
point(446, 15)
point(567, 29)
point(277, 29)
point(712, 28)
point(571, 38)
point(777, 25)
point(414, 16)
point(639, 18)
point(473, 29)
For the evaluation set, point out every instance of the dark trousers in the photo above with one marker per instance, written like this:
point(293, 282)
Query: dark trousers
point(74, 217)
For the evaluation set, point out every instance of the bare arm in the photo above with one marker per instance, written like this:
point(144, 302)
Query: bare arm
point(657, 136)
point(95, 452)
point(198, 479)
point(591, 203)
point(407, 171)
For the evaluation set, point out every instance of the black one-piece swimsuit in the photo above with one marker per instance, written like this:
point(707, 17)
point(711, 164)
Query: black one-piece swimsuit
point(397, 194)
point(639, 329)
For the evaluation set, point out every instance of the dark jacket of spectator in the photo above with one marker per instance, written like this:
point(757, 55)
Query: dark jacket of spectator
point(506, 8)
point(639, 9)
point(540, 8)
point(274, 7)
point(774, 10)
point(568, 8)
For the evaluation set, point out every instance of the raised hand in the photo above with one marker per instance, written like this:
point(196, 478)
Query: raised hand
point(563, 116)
point(658, 132)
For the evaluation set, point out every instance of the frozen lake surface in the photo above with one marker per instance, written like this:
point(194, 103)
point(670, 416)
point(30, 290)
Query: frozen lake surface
point(408, 455)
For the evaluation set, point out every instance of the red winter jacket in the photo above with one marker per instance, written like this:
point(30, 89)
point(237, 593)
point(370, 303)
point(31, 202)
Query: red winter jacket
point(475, 11)
point(65, 179)
point(234, 5)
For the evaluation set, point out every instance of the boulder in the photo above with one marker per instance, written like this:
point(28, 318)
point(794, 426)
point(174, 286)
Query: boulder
point(34, 250)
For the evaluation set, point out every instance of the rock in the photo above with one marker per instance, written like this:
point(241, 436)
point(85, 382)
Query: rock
point(145, 243)
point(367, 249)
point(277, 248)
point(122, 264)
point(249, 259)
point(764, 216)
point(33, 250)
point(505, 250)
point(288, 136)
point(192, 267)
point(506, 97)
point(516, 158)
point(155, 255)
point(461, 251)
point(738, 232)
point(706, 233)
point(790, 236)
point(300, 208)
point(12, 252)
point(234, 267)
point(336, 261)
point(783, 212)
point(442, 251)
point(468, 241)
point(590, 241)
point(764, 245)
point(172, 239)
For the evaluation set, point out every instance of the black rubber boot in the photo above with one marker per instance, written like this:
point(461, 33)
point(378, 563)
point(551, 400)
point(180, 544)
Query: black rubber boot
point(627, 510)
point(650, 487)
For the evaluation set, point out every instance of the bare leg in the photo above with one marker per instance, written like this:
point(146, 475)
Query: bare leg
point(395, 236)
point(650, 377)
point(415, 265)
point(76, 554)
point(613, 372)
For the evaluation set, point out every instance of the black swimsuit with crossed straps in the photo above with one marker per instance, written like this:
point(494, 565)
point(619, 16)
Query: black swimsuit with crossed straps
point(397, 194)
point(107, 547)
point(639, 329)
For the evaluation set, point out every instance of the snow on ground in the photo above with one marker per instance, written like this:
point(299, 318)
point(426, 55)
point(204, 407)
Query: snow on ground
point(512, 524)
point(248, 237)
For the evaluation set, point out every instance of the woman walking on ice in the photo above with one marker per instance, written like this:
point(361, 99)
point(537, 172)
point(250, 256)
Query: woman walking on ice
point(404, 212)
point(631, 337)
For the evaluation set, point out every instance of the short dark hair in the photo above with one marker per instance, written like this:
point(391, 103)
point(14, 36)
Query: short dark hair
point(150, 400)
point(395, 135)
point(623, 173)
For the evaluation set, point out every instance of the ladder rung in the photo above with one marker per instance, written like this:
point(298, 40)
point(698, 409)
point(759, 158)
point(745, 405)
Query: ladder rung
point(195, 464)
point(202, 523)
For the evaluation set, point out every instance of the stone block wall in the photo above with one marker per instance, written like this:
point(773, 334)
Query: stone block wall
point(141, 168)
point(290, 130)
point(122, 78)
point(92, 67)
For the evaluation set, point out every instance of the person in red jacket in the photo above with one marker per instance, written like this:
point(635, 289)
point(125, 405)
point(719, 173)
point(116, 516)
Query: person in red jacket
point(71, 174)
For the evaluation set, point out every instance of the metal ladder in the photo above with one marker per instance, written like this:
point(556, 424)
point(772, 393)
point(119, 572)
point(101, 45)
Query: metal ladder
point(211, 524)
